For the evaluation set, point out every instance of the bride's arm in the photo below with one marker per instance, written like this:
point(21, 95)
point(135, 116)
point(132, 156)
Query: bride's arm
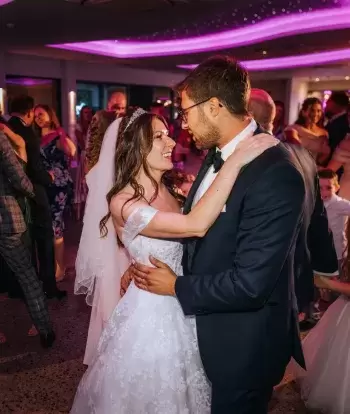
point(17, 141)
point(206, 211)
point(323, 282)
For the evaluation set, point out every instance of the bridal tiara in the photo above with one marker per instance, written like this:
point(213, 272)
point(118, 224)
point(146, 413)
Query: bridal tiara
point(134, 116)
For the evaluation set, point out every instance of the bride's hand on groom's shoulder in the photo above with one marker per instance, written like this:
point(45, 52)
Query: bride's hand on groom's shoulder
point(250, 148)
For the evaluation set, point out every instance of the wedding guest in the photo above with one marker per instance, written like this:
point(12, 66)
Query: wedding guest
point(117, 103)
point(81, 131)
point(13, 239)
point(263, 109)
point(325, 383)
point(9, 283)
point(318, 254)
point(41, 231)
point(279, 120)
point(98, 126)
point(57, 148)
point(309, 128)
point(338, 211)
point(338, 124)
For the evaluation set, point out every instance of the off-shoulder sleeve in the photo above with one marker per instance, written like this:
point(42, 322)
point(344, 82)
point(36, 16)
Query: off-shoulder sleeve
point(137, 221)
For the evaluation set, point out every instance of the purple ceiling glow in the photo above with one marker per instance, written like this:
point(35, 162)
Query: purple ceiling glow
point(321, 20)
point(3, 2)
point(28, 81)
point(292, 61)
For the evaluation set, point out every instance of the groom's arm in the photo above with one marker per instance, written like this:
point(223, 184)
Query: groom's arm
point(270, 220)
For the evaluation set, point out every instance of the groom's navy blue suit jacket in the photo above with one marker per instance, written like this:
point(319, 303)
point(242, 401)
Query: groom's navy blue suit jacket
point(239, 279)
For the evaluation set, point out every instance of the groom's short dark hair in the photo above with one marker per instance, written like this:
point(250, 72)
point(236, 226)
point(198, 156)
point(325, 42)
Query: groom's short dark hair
point(22, 104)
point(220, 77)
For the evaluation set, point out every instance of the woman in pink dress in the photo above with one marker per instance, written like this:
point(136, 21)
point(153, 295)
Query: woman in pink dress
point(309, 130)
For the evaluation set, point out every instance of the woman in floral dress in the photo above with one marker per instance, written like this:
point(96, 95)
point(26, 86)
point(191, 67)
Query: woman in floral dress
point(57, 149)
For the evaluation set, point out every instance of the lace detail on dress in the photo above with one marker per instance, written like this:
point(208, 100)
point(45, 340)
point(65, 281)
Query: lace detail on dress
point(147, 360)
point(137, 221)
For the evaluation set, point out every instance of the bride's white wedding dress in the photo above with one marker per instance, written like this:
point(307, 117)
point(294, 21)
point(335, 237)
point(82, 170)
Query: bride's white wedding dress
point(147, 361)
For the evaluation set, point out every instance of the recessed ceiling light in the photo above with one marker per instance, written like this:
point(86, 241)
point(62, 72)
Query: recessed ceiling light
point(264, 52)
point(347, 77)
point(317, 79)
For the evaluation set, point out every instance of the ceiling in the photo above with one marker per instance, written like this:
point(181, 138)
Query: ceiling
point(34, 22)
point(26, 26)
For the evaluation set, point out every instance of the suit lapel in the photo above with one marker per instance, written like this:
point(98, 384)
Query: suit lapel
point(190, 244)
point(197, 182)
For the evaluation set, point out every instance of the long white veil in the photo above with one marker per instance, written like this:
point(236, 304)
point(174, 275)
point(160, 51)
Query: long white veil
point(100, 262)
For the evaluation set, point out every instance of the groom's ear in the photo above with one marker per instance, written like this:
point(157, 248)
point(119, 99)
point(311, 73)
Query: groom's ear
point(215, 107)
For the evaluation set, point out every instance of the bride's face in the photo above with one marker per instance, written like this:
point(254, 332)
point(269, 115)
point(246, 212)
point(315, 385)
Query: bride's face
point(160, 156)
point(314, 113)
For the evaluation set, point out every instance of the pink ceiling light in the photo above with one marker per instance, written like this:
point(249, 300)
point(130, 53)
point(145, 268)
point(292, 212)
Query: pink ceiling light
point(310, 59)
point(316, 21)
point(3, 2)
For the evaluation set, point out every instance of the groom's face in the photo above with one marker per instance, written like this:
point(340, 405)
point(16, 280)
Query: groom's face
point(197, 120)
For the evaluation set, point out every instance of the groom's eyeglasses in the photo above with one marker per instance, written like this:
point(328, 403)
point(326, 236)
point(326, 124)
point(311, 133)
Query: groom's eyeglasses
point(183, 112)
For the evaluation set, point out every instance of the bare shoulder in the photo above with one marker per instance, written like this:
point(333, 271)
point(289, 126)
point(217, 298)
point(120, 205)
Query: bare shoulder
point(119, 201)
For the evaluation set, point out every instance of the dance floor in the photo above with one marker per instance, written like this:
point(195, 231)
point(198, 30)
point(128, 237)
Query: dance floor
point(37, 381)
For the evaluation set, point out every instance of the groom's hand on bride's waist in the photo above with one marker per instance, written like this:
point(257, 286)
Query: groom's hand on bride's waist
point(159, 279)
point(126, 280)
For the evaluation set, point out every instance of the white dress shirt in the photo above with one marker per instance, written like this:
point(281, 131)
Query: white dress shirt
point(338, 211)
point(226, 151)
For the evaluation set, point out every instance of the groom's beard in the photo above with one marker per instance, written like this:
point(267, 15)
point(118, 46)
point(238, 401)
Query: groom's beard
point(210, 135)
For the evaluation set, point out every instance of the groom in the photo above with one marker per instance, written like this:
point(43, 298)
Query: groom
point(238, 280)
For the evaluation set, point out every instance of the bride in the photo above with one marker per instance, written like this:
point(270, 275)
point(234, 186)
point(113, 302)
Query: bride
point(147, 359)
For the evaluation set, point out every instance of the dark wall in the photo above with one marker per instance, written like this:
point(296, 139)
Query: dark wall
point(140, 96)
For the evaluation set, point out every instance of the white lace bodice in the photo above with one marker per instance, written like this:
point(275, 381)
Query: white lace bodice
point(141, 248)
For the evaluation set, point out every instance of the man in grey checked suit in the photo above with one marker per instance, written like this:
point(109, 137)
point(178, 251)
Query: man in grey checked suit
point(13, 248)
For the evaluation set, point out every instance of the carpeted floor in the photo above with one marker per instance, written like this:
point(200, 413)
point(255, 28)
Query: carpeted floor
point(35, 381)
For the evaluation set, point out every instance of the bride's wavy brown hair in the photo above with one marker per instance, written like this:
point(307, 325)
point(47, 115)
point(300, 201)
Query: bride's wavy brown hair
point(132, 148)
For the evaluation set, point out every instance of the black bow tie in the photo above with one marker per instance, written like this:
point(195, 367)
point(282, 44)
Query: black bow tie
point(216, 160)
